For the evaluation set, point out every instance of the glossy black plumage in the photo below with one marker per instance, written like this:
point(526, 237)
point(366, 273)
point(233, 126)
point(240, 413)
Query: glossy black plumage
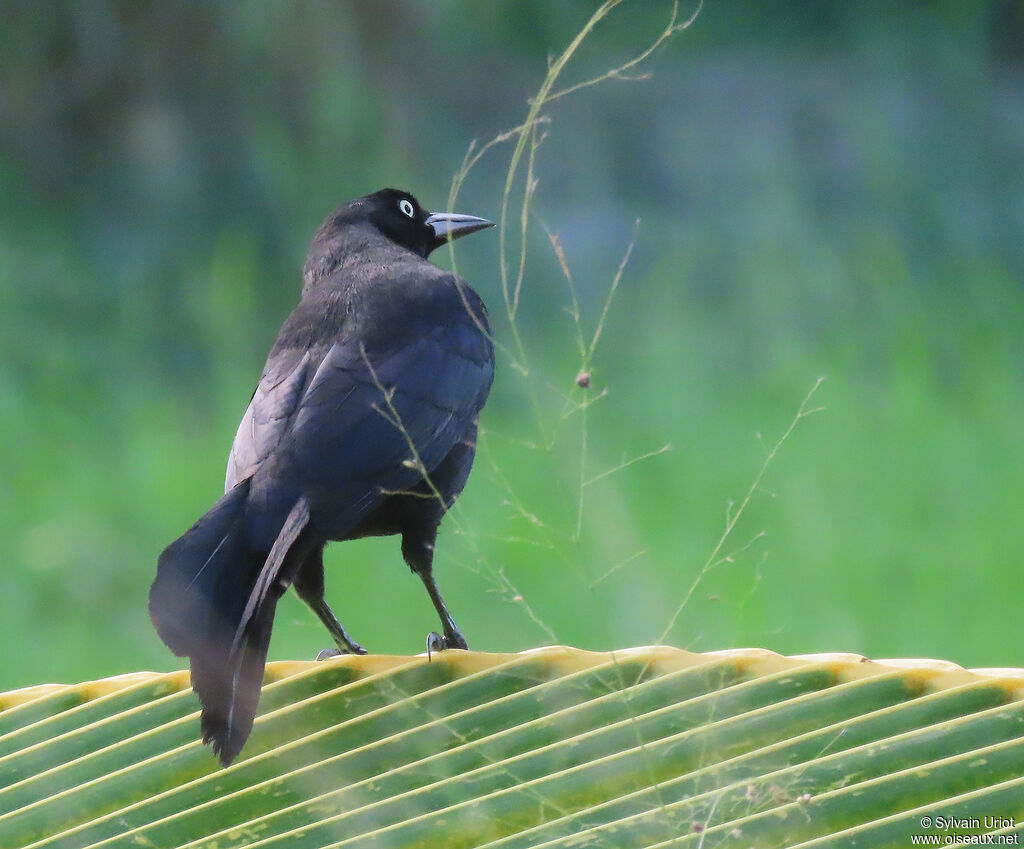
point(363, 423)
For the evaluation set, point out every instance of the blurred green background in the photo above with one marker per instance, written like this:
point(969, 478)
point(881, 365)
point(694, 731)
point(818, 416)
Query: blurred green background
point(826, 189)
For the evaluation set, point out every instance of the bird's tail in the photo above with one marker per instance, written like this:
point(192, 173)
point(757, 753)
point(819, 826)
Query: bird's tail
point(213, 601)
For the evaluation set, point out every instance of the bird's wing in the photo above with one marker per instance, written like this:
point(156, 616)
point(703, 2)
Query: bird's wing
point(372, 422)
point(266, 420)
point(350, 410)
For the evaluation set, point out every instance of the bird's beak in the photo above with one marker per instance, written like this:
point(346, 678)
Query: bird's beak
point(452, 225)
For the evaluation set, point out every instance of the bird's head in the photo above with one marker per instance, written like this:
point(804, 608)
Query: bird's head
point(399, 216)
point(394, 214)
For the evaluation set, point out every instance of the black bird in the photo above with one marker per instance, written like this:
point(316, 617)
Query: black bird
point(363, 424)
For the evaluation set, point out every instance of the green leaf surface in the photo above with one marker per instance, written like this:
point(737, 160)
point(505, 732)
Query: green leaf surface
point(550, 748)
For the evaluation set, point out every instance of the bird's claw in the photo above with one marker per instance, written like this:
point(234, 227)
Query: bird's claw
point(437, 643)
point(327, 654)
point(351, 648)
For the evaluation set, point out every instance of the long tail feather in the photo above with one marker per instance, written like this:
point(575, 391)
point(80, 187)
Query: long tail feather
point(203, 579)
point(213, 601)
point(229, 687)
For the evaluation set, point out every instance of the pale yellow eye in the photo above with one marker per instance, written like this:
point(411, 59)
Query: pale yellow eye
point(406, 208)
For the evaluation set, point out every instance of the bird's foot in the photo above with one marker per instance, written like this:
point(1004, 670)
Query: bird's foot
point(350, 647)
point(327, 654)
point(437, 643)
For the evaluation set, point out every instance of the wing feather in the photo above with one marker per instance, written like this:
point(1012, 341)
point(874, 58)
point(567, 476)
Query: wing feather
point(348, 423)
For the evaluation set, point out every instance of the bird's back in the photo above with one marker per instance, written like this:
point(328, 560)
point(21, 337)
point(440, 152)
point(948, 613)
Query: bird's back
point(377, 374)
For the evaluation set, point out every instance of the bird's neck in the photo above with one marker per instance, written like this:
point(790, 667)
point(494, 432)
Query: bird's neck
point(336, 259)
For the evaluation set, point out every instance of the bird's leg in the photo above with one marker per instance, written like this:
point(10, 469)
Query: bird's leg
point(309, 584)
point(452, 638)
point(418, 552)
point(346, 645)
